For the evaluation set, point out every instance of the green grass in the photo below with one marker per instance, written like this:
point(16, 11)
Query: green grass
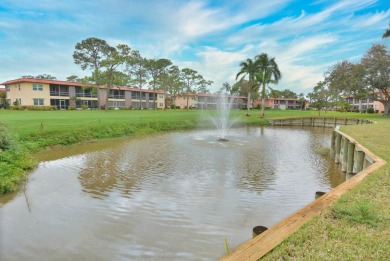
point(26, 122)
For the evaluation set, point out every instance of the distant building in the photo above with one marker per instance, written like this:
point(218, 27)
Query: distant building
point(281, 103)
point(43, 92)
point(207, 101)
point(363, 104)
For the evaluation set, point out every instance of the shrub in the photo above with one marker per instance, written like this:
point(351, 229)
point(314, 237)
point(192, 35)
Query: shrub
point(71, 108)
point(370, 110)
point(7, 141)
point(33, 108)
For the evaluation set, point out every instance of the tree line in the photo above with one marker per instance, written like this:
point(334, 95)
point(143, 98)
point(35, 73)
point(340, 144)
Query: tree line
point(368, 78)
point(121, 66)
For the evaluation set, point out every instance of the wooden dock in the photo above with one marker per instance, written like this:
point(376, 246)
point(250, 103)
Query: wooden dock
point(318, 121)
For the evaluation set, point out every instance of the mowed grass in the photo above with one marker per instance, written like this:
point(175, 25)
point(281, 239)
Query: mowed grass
point(357, 226)
point(25, 123)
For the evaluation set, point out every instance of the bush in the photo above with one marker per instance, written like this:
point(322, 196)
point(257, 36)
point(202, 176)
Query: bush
point(7, 141)
point(370, 110)
point(72, 108)
point(33, 108)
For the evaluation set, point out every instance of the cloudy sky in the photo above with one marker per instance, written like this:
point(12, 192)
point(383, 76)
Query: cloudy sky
point(212, 37)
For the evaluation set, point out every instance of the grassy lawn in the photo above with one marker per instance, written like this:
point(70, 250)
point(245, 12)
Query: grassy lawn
point(355, 228)
point(26, 122)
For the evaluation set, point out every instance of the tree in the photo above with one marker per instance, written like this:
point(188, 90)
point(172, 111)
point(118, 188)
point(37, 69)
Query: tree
point(89, 54)
point(73, 78)
point(288, 94)
point(319, 97)
point(3, 99)
point(248, 68)
point(346, 78)
point(386, 33)
point(45, 76)
point(190, 78)
point(376, 64)
point(226, 88)
point(274, 93)
point(202, 85)
point(268, 72)
point(156, 69)
point(138, 75)
point(302, 101)
point(173, 82)
point(40, 76)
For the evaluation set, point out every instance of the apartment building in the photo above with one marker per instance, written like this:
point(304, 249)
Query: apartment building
point(281, 103)
point(363, 104)
point(63, 94)
point(208, 101)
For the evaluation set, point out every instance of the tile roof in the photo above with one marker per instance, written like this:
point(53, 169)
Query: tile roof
point(47, 81)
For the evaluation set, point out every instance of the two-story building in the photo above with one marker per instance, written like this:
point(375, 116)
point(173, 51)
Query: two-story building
point(363, 104)
point(281, 103)
point(63, 94)
point(208, 101)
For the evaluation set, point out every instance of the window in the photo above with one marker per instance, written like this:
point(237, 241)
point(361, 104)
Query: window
point(161, 96)
point(37, 87)
point(7, 89)
point(38, 102)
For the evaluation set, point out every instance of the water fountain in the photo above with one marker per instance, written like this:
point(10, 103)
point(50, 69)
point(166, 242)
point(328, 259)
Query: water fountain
point(221, 119)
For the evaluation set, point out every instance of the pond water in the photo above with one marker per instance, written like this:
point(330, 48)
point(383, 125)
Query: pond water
point(174, 196)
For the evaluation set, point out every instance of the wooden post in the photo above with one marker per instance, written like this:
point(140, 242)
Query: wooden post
point(337, 148)
point(358, 160)
point(258, 230)
point(319, 194)
point(344, 158)
point(333, 143)
point(335, 122)
point(351, 150)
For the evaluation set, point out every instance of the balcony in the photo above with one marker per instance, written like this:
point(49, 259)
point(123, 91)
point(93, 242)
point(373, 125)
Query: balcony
point(58, 93)
point(86, 95)
point(116, 96)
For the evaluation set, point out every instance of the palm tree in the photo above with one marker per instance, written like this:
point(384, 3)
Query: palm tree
point(268, 72)
point(248, 67)
point(386, 33)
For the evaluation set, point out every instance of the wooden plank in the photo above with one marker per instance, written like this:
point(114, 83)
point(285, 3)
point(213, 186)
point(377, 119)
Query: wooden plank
point(265, 242)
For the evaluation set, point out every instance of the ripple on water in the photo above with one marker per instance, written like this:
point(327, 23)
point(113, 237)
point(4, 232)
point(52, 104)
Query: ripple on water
point(171, 197)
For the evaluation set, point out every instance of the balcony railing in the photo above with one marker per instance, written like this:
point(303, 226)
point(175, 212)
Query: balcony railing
point(116, 96)
point(86, 95)
point(56, 93)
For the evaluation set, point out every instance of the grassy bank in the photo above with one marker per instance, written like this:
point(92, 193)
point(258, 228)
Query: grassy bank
point(357, 227)
point(30, 131)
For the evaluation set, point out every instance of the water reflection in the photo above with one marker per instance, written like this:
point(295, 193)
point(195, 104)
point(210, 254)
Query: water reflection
point(174, 196)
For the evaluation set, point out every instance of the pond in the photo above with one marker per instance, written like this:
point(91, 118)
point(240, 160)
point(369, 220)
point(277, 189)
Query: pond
point(173, 196)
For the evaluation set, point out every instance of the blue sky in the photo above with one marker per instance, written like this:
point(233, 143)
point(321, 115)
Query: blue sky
point(212, 37)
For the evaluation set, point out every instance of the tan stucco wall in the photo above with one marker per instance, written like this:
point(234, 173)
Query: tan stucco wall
point(160, 100)
point(182, 101)
point(24, 91)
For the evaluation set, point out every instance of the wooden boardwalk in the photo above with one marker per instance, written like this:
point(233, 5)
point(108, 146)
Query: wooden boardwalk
point(263, 243)
point(317, 121)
